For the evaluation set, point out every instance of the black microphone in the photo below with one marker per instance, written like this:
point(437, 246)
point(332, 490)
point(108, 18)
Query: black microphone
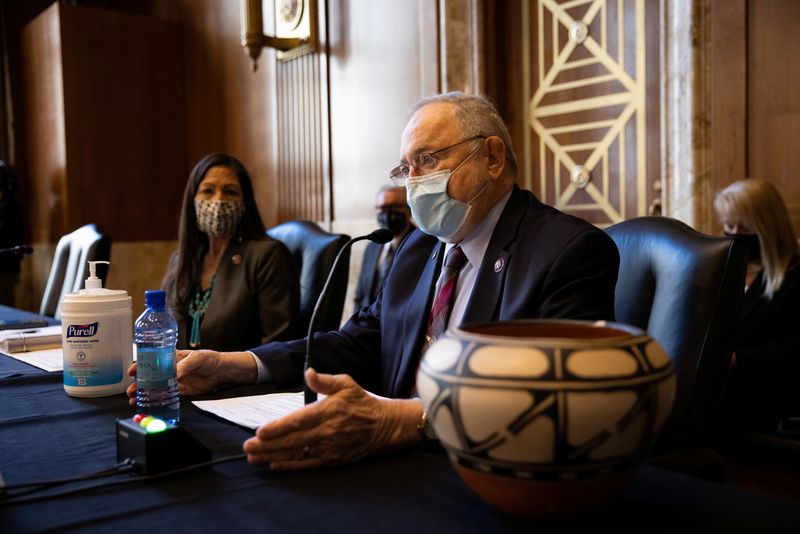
point(381, 236)
point(19, 250)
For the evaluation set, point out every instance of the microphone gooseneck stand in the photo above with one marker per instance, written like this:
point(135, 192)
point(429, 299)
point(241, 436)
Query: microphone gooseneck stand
point(19, 250)
point(381, 236)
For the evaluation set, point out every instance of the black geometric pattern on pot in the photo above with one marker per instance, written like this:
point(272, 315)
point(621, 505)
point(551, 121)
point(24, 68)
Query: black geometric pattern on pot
point(644, 369)
point(453, 402)
point(528, 416)
point(638, 353)
point(570, 461)
point(581, 453)
point(568, 458)
point(541, 473)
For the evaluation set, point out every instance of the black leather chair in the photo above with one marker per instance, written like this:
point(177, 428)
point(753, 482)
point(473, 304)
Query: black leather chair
point(70, 266)
point(314, 250)
point(685, 289)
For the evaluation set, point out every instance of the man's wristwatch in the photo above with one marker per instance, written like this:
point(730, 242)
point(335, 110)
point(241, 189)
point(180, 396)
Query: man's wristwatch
point(425, 428)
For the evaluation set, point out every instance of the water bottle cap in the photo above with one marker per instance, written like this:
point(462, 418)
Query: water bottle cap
point(155, 298)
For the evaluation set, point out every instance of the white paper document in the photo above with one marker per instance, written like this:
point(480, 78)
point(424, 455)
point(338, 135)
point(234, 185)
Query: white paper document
point(254, 411)
point(47, 359)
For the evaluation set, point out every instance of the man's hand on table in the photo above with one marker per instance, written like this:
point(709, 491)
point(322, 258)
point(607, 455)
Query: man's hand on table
point(347, 425)
point(202, 371)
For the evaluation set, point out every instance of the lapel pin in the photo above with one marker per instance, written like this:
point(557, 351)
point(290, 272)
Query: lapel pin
point(499, 264)
point(236, 259)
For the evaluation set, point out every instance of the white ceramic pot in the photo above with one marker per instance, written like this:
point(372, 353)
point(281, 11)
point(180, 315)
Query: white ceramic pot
point(543, 418)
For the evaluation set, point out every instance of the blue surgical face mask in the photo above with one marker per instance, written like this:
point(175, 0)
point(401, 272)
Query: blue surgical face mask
point(436, 213)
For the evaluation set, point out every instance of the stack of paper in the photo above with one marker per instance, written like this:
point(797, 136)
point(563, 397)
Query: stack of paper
point(12, 341)
point(253, 411)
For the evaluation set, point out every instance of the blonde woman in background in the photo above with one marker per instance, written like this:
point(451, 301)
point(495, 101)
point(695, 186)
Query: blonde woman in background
point(765, 377)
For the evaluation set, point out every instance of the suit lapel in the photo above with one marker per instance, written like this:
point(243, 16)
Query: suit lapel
point(752, 298)
point(371, 257)
point(216, 303)
point(415, 320)
point(484, 302)
point(370, 269)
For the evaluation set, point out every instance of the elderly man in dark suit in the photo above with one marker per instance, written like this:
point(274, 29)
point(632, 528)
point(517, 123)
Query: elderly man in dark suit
point(505, 254)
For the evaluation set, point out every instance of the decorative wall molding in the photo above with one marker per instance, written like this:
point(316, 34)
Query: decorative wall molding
point(461, 46)
point(302, 134)
point(303, 140)
point(686, 194)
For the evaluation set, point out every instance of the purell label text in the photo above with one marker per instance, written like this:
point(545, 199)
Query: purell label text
point(81, 330)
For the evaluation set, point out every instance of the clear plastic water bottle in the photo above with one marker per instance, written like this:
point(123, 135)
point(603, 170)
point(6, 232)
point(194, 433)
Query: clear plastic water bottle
point(155, 334)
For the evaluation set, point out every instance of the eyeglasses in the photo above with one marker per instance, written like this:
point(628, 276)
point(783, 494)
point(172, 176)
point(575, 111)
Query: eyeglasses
point(424, 162)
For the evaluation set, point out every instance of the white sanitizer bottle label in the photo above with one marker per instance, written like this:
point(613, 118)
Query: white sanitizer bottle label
point(89, 358)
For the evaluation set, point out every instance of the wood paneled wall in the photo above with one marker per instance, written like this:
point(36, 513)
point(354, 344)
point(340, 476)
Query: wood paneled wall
point(752, 111)
point(317, 134)
point(773, 97)
point(102, 130)
point(228, 107)
point(104, 122)
point(44, 131)
point(383, 56)
point(728, 89)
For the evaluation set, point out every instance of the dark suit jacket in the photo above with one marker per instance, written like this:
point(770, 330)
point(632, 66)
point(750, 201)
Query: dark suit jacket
point(367, 287)
point(763, 387)
point(553, 266)
point(255, 298)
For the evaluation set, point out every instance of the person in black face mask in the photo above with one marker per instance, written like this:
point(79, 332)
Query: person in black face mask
point(762, 387)
point(392, 213)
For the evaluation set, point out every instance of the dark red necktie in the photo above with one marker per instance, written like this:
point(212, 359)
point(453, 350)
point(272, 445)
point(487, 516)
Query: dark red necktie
point(445, 293)
point(443, 303)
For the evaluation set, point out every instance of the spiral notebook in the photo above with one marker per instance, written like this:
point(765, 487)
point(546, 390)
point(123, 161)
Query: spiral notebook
point(22, 325)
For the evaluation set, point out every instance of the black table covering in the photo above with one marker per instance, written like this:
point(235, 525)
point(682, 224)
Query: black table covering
point(46, 434)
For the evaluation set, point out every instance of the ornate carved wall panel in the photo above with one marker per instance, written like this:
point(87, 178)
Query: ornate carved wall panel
point(593, 106)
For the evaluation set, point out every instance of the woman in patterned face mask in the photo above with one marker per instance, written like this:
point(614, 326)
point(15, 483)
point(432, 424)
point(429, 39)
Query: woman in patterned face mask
point(229, 285)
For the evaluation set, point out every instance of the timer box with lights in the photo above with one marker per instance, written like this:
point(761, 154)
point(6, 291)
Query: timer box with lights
point(155, 446)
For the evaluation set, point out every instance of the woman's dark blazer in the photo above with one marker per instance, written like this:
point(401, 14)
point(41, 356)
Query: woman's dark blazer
point(255, 298)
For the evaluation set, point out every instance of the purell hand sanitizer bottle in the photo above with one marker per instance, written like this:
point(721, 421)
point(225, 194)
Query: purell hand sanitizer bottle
point(97, 338)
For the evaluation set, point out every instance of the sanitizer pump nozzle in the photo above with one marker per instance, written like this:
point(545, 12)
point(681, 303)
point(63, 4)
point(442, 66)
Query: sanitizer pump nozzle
point(93, 282)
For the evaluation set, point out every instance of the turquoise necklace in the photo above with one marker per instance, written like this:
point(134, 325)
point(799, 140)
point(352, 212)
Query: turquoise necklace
point(197, 309)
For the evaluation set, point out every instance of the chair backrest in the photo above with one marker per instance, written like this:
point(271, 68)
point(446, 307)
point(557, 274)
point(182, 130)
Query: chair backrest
point(314, 251)
point(70, 265)
point(685, 289)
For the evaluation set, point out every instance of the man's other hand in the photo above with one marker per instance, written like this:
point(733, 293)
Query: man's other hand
point(347, 425)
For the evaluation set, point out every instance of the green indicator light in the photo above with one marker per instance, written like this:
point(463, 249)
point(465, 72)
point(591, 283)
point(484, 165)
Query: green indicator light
point(156, 425)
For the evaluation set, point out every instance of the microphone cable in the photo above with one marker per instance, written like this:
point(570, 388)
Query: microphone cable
point(31, 487)
point(125, 466)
